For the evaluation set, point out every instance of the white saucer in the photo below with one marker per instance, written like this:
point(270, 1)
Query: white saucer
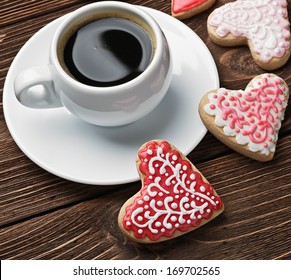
point(71, 149)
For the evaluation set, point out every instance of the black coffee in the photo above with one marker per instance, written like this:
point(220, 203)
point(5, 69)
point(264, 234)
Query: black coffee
point(108, 52)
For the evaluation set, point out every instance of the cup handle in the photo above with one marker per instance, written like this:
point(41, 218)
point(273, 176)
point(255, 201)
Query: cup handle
point(34, 88)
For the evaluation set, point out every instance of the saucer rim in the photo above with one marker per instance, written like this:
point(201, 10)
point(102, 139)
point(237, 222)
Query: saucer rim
point(79, 179)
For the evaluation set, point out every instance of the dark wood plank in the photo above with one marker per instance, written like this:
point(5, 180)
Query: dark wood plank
point(19, 10)
point(256, 223)
point(46, 217)
point(27, 190)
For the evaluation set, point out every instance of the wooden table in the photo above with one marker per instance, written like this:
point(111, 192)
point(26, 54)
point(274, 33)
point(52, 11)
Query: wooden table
point(46, 217)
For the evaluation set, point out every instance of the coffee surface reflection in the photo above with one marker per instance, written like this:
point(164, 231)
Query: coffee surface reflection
point(108, 52)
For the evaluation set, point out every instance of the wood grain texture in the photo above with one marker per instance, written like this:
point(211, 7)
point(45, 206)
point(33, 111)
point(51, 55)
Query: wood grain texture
point(46, 217)
point(255, 224)
point(19, 11)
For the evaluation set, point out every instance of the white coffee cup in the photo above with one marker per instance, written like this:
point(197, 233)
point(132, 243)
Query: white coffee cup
point(105, 106)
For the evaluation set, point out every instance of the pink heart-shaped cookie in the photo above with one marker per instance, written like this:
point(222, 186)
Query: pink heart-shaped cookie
point(182, 9)
point(263, 25)
point(174, 198)
point(247, 121)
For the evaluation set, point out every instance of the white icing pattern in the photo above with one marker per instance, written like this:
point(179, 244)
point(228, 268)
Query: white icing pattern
point(264, 22)
point(175, 200)
point(253, 116)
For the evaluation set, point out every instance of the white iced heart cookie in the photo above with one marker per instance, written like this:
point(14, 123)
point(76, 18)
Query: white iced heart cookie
point(174, 198)
point(263, 25)
point(247, 121)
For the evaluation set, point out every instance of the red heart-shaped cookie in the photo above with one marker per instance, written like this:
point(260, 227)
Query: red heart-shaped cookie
point(247, 121)
point(263, 25)
point(182, 9)
point(174, 198)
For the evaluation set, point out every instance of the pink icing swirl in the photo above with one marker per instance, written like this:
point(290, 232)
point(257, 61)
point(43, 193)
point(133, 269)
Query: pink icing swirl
point(253, 116)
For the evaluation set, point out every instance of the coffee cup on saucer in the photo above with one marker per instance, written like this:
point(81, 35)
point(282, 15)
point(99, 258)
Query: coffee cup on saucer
point(110, 65)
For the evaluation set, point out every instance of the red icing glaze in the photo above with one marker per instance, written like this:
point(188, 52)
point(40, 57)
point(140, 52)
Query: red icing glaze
point(173, 195)
point(180, 6)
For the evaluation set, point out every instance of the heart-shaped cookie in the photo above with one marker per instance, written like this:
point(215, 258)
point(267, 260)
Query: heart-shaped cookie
point(247, 121)
point(182, 9)
point(263, 25)
point(174, 198)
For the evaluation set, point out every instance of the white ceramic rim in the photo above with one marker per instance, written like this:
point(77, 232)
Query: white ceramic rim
point(120, 6)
